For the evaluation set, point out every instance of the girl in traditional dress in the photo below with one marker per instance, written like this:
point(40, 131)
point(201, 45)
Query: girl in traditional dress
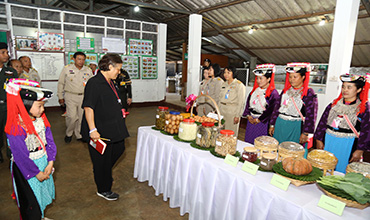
point(32, 145)
point(345, 124)
point(261, 102)
point(294, 116)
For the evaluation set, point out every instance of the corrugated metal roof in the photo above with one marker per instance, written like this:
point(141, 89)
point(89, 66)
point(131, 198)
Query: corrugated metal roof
point(287, 30)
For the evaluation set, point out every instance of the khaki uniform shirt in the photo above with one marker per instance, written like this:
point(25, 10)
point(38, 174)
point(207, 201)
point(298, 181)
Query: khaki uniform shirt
point(233, 96)
point(31, 75)
point(73, 80)
point(214, 88)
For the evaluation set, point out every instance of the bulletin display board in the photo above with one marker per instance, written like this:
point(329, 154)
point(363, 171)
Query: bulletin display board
point(85, 44)
point(140, 47)
point(50, 41)
point(131, 65)
point(149, 68)
point(90, 57)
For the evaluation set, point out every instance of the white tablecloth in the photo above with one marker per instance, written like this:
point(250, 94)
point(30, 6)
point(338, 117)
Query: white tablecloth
point(207, 188)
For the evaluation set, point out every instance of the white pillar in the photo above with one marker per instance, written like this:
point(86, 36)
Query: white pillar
point(345, 21)
point(195, 40)
point(161, 56)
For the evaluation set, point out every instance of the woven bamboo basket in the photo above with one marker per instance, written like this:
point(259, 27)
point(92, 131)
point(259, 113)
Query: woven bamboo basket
point(297, 182)
point(349, 203)
point(325, 166)
point(350, 170)
point(214, 103)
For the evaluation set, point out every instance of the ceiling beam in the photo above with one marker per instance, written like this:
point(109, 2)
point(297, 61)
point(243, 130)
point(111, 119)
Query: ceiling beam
point(366, 4)
point(52, 3)
point(151, 6)
point(91, 5)
point(301, 46)
point(72, 5)
point(111, 7)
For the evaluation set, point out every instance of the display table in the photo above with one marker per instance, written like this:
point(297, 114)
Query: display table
point(207, 188)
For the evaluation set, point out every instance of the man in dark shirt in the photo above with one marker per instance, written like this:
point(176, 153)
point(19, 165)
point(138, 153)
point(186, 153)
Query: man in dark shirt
point(5, 74)
point(123, 82)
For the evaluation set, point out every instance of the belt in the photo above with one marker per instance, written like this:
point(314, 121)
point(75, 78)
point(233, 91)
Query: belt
point(36, 149)
point(341, 130)
point(75, 93)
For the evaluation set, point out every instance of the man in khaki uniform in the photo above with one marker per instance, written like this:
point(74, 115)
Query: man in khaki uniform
point(28, 71)
point(232, 100)
point(214, 86)
point(71, 85)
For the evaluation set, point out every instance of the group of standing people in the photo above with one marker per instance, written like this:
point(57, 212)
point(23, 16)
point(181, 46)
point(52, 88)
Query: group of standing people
point(100, 102)
point(344, 127)
point(228, 94)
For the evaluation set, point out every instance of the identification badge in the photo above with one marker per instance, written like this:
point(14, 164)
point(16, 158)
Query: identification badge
point(227, 94)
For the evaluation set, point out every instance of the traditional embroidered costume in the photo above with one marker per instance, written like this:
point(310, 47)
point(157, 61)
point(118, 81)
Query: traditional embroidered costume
point(344, 127)
point(296, 110)
point(261, 103)
point(32, 146)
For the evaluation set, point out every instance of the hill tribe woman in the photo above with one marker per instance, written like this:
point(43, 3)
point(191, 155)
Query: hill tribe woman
point(294, 116)
point(261, 102)
point(345, 124)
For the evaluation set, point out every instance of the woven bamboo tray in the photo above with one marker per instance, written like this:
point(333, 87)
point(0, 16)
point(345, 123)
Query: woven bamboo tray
point(326, 167)
point(297, 182)
point(350, 170)
point(349, 203)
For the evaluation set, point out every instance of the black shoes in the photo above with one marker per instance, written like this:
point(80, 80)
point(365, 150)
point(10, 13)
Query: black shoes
point(111, 196)
point(67, 139)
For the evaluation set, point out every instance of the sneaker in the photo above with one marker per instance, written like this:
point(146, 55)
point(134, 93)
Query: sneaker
point(64, 114)
point(67, 139)
point(108, 195)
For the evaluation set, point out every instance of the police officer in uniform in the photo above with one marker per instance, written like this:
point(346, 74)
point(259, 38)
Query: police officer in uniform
point(71, 84)
point(28, 71)
point(5, 74)
point(124, 88)
point(232, 100)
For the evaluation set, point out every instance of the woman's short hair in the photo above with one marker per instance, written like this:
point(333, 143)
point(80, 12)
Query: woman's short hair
point(231, 69)
point(109, 59)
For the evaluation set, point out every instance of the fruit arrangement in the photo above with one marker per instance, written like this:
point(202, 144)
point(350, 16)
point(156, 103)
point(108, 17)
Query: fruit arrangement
point(202, 119)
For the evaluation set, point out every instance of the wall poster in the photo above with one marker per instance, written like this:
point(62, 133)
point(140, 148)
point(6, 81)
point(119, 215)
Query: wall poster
point(140, 47)
point(50, 41)
point(131, 65)
point(149, 67)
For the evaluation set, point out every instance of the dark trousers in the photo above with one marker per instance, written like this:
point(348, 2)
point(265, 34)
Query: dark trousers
point(103, 164)
point(2, 127)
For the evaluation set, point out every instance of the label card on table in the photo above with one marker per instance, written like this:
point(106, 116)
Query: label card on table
point(280, 182)
point(332, 205)
point(231, 160)
point(250, 167)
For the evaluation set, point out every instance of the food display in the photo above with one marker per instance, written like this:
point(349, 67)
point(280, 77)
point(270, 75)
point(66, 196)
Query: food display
point(323, 159)
point(265, 144)
point(160, 117)
point(173, 120)
point(352, 189)
point(290, 149)
point(297, 166)
point(203, 118)
point(226, 143)
point(206, 135)
point(187, 130)
point(359, 167)
point(250, 154)
point(268, 160)
point(298, 180)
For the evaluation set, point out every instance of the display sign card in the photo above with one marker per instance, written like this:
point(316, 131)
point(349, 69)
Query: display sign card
point(85, 44)
point(50, 41)
point(131, 65)
point(149, 67)
point(90, 57)
point(280, 182)
point(332, 205)
point(231, 160)
point(250, 167)
point(140, 47)
point(113, 45)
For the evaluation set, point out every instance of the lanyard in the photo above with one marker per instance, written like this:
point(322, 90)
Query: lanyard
point(114, 90)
